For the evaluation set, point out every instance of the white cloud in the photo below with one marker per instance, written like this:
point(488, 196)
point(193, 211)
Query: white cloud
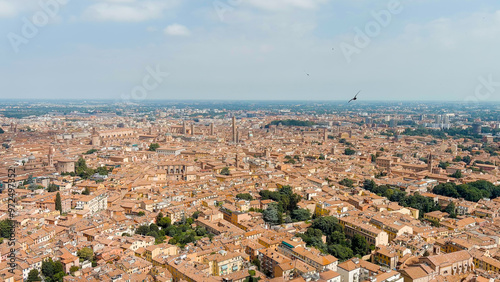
point(177, 30)
point(9, 8)
point(276, 5)
point(127, 10)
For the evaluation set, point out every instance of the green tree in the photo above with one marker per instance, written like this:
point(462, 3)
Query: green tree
point(52, 188)
point(256, 262)
point(271, 215)
point(102, 170)
point(225, 171)
point(6, 228)
point(301, 215)
point(73, 269)
point(58, 203)
point(451, 210)
point(456, 174)
point(142, 230)
point(165, 222)
point(82, 170)
point(52, 270)
point(196, 214)
point(337, 237)
point(346, 182)
point(29, 180)
point(33, 275)
point(359, 245)
point(313, 237)
point(349, 152)
point(341, 252)
point(444, 165)
point(48, 268)
point(85, 253)
point(159, 216)
point(250, 278)
point(244, 196)
point(86, 191)
point(154, 146)
point(327, 224)
point(90, 152)
point(369, 184)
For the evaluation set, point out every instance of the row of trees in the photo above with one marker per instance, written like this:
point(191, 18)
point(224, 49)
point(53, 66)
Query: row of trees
point(473, 191)
point(466, 159)
point(244, 196)
point(416, 200)
point(337, 244)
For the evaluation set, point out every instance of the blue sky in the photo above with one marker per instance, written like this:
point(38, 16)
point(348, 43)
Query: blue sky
point(250, 49)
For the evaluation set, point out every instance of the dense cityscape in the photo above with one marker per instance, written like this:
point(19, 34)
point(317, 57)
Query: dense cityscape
point(249, 191)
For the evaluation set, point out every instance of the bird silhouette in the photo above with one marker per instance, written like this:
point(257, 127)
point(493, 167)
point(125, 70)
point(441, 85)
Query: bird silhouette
point(355, 97)
point(306, 73)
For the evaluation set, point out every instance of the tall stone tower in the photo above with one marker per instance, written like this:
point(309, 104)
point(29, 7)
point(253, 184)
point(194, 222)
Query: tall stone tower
point(51, 156)
point(192, 128)
point(234, 129)
point(184, 127)
point(267, 153)
point(325, 135)
point(212, 128)
point(429, 163)
point(96, 139)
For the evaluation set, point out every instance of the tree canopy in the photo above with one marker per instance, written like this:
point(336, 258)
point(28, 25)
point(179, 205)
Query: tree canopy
point(244, 196)
point(473, 191)
point(154, 146)
point(336, 242)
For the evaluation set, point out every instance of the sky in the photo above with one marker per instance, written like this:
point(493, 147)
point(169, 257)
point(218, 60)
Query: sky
point(131, 50)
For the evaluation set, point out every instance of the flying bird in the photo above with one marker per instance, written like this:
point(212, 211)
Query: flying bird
point(355, 97)
point(306, 73)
